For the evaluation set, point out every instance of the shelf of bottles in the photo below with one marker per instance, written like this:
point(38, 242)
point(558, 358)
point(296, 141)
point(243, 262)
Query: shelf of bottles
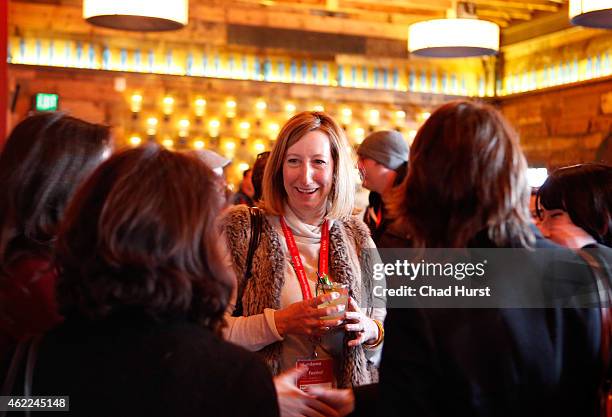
point(192, 62)
point(557, 73)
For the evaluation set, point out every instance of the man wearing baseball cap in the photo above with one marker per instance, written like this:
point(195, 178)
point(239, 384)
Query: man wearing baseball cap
point(383, 163)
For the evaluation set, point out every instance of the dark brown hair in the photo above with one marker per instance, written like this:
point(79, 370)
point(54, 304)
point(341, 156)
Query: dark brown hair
point(466, 177)
point(258, 172)
point(44, 159)
point(141, 235)
point(585, 192)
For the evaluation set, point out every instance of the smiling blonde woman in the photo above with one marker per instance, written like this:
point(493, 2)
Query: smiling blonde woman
point(308, 237)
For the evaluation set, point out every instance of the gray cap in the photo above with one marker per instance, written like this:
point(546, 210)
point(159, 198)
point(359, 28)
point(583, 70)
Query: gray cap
point(212, 159)
point(386, 147)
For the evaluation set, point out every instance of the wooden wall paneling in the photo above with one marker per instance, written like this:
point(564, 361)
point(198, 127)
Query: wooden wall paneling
point(562, 125)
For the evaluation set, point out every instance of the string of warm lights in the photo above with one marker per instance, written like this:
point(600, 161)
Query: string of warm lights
point(241, 130)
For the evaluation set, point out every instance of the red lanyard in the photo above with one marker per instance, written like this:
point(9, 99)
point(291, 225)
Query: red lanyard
point(296, 261)
point(378, 216)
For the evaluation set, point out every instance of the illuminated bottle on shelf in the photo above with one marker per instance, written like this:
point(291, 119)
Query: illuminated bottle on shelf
point(123, 59)
point(151, 61)
point(91, 56)
point(267, 70)
point(293, 70)
point(396, 85)
point(137, 60)
point(204, 64)
point(106, 56)
point(257, 68)
point(245, 67)
point(304, 71)
point(280, 65)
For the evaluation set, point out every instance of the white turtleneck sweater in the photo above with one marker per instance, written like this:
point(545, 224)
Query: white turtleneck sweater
point(257, 331)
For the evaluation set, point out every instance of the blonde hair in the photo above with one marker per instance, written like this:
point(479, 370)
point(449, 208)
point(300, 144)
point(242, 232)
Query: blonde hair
point(341, 199)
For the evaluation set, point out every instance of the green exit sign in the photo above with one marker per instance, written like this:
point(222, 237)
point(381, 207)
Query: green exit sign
point(46, 102)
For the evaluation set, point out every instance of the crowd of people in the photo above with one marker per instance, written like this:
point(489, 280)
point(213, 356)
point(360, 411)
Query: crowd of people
point(129, 283)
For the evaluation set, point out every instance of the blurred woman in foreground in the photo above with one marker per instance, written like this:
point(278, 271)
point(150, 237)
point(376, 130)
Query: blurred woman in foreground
point(45, 158)
point(143, 291)
point(467, 188)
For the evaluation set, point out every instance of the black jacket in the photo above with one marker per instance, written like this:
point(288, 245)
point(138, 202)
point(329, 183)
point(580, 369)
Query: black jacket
point(131, 365)
point(493, 362)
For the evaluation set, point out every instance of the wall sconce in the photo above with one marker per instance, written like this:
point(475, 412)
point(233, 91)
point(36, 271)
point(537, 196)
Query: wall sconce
point(199, 106)
point(167, 105)
point(290, 109)
point(183, 127)
point(259, 147)
point(168, 143)
point(373, 117)
point(243, 166)
point(260, 108)
point(243, 129)
point(411, 135)
point(346, 116)
point(198, 144)
point(213, 128)
point(135, 140)
point(151, 126)
point(273, 129)
point(136, 103)
point(230, 108)
point(400, 118)
point(359, 135)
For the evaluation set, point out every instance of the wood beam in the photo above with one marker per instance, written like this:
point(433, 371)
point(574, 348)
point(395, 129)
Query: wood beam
point(531, 6)
point(536, 27)
point(207, 24)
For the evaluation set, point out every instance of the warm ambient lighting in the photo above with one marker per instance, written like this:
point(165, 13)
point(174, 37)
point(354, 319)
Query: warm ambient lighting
point(199, 107)
point(138, 15)
point(135, 140)
point(167, 105)
point(591, 13)
point(136, 103)
point(453, 38)
point(536, 176)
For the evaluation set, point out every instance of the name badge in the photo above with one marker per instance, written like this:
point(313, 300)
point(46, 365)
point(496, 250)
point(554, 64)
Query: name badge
point(320, 373)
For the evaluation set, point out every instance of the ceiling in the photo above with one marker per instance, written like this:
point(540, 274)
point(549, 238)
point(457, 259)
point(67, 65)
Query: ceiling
point(503, 12)
point(310, 24)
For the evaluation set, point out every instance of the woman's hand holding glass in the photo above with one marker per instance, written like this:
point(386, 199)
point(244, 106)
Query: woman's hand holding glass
point(365, 328)
point(305, 318)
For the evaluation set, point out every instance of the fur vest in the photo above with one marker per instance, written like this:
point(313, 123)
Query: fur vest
point(263, 289)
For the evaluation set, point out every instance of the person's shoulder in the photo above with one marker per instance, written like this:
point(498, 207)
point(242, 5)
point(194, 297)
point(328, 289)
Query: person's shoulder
point(235, 215)
point(355, 224)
